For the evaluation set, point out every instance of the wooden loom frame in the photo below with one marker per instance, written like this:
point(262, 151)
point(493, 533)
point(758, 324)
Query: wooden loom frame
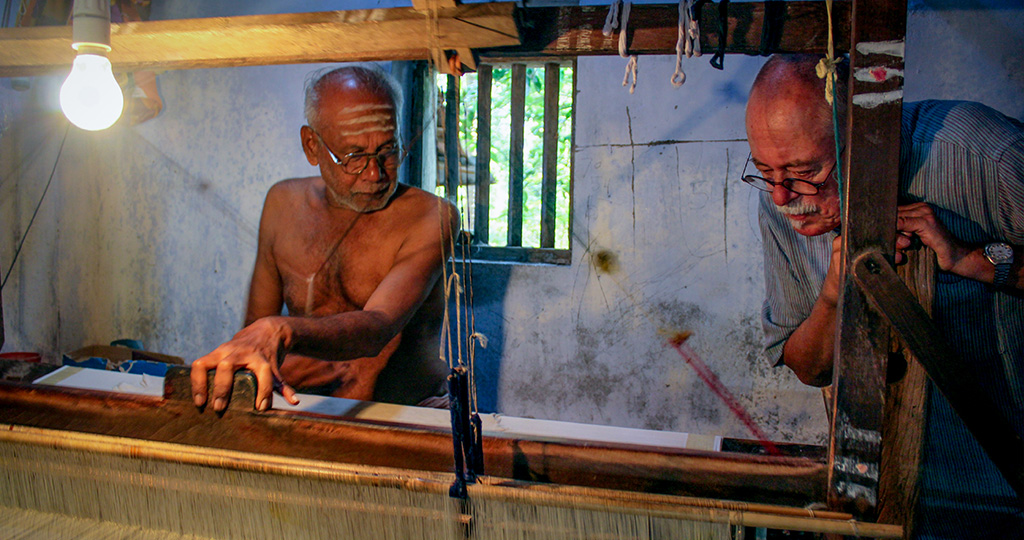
point(857, 474)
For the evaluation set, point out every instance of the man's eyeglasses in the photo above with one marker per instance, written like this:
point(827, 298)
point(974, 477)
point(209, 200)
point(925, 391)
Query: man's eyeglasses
point(796, 185)
point(357, 162)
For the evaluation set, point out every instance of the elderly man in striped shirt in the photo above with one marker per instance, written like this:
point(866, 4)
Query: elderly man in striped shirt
point(962, 165)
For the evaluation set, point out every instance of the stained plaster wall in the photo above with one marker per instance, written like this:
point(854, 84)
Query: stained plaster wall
point(149, 231)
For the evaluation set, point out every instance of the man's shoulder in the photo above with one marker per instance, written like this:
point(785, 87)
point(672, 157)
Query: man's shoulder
point(967, 124)
point(291, 187)
point(290, 192)
point(413, 200)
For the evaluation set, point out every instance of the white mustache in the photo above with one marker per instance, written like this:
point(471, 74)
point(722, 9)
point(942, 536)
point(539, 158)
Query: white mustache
point(798, 206)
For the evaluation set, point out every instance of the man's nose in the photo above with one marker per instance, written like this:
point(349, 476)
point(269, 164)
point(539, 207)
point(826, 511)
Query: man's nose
point(782, 195)
point(374, 169)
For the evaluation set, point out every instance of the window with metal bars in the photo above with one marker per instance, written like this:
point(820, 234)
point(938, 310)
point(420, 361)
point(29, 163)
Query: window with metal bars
point(507, 162)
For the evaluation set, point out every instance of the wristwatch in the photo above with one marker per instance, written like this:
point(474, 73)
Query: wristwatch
point(1001, 255)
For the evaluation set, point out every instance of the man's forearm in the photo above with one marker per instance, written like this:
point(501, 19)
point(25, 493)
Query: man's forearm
point(974, 265)
point(346, 336)
point(809, 350)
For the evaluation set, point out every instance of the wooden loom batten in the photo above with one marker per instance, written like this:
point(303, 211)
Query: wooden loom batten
point(335, 36)
point(788, 480)
point(869, 224)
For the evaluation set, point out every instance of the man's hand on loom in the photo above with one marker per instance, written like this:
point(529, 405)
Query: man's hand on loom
point(830, 289)
point(259, 348)
point(918, 220)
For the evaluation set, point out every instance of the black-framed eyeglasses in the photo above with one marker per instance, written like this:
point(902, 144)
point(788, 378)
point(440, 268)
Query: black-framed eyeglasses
point(796, 185)
point(357, 162)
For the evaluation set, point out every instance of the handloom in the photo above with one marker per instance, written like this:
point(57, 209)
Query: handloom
point(85, 462)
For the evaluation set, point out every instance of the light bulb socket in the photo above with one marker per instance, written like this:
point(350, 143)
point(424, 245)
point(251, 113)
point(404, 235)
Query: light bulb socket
point(90, 25)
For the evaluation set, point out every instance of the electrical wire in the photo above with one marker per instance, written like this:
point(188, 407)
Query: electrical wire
point(17, 251)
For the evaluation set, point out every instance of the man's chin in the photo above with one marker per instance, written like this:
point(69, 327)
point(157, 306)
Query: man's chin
point(376, 201)
point(364, 203)
point(808, 226)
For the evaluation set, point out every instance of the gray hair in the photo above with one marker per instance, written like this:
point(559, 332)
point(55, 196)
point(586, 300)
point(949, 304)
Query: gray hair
point(369, 76)
point(783, 69)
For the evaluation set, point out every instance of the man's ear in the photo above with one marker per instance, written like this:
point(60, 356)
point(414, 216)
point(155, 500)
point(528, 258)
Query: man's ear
point(309, 145)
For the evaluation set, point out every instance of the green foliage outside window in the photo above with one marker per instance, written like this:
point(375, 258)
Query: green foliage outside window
point(533, 151)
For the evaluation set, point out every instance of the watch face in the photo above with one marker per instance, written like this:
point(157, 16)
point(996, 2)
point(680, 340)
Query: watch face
point(999, 253)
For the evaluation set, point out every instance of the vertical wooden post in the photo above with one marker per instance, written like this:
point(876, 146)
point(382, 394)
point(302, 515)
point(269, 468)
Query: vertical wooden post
point(451, 140)
point(515, 158)
point(418, 105)
point(483, 155)
point(869, 217)
point(549, 181)
point(906, 410)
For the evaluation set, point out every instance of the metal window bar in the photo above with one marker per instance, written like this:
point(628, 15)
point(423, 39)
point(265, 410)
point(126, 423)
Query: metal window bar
point(483, 155)
point(451, 140)
point(515, 184)
point(549, 182)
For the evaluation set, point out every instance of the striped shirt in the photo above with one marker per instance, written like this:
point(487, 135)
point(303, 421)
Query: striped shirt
point(967, 161)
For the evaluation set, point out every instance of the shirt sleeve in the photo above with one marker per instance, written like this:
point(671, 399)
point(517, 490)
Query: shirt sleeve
point(794, 272)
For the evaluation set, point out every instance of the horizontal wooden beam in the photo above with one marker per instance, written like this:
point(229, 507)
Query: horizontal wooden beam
point(432, 4)
point(793, 27)
point(330, 36)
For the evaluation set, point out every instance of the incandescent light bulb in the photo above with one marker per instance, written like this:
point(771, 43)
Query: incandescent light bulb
point(90, 97)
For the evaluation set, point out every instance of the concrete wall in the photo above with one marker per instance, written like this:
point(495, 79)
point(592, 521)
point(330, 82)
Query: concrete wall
point(149, 231)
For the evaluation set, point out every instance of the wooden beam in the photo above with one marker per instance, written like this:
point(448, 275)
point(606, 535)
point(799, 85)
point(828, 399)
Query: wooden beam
point(481, 215)
point(424, 5)
point(906, 408)
point(951, 374)
point(515, 158)
point(452, 155)
point(549, 180)
point(869, 224)
point(330, 36)
point(577, 30)
point(778, 480)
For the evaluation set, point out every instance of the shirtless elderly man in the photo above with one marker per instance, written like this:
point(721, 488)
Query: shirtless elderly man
point(354, 256)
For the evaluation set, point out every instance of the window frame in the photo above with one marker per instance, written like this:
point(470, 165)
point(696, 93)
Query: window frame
point(479, 250)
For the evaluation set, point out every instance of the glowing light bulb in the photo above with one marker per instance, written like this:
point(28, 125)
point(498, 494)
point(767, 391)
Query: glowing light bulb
point(90, 97)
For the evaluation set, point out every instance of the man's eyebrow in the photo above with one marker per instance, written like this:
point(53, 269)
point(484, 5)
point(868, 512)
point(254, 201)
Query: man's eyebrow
point(356, 149)
point(788, 165)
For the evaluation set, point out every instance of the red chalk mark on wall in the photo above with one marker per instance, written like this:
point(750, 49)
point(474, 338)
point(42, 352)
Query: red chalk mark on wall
point(678, 342)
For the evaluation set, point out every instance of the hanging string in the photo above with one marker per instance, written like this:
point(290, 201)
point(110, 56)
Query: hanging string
point(682, 43)
point(826, 69)
point(610, 23)
point(687, 41)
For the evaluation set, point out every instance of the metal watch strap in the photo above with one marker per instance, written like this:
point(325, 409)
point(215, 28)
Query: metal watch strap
point(1002, 275)
point(1000, 255)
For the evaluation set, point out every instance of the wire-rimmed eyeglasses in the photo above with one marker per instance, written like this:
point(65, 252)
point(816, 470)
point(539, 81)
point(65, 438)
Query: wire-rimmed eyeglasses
point(357, 162)
point(796, 185)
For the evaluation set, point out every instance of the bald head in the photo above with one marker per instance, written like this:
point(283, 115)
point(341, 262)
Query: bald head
point(353, 83)
point(788, 85)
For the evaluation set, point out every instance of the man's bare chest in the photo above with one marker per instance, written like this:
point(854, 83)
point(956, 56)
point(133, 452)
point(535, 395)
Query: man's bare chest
point(326, 270)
